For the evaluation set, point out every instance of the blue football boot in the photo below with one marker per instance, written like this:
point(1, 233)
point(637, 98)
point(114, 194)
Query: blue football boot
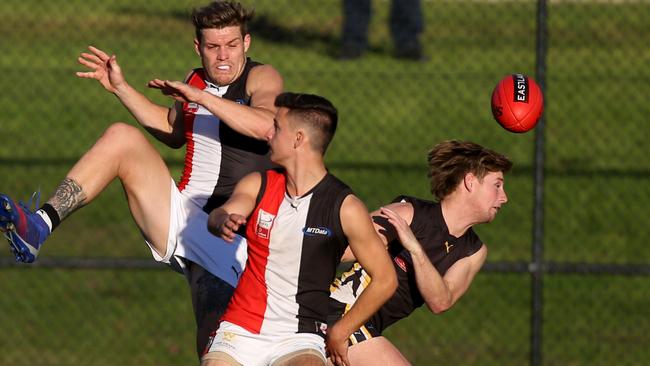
point(25, 230)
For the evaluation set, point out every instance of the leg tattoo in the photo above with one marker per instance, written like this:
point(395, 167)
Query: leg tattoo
point(67, 198)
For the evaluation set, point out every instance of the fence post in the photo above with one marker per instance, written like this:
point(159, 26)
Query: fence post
point(537, 265)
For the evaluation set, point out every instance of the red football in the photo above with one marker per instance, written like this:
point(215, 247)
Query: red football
point(517, 103)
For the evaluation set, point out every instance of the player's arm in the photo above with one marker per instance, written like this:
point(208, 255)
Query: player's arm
point(373, 257)
point(224, 221)
point(385, 230)
point(263, 85)
point(460, 276)
point(439, 293)
point(158, 120)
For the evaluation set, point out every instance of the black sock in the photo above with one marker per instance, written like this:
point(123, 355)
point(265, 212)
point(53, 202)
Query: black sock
point(52, 214)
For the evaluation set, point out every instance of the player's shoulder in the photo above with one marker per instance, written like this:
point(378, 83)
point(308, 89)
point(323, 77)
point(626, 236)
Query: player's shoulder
point(251, 180)
point(478, 254)
point(353, 207)
point(258, 69)
point(473, 243)
point(402, 208)
point(263, 81)
point(421, 214)
point(354, 215)
point(412, 203)
point(264, 73)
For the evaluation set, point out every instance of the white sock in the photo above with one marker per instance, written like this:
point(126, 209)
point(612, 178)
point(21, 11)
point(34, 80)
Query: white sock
point(46, 218)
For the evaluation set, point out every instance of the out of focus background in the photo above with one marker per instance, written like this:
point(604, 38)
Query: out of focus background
point(566, 282)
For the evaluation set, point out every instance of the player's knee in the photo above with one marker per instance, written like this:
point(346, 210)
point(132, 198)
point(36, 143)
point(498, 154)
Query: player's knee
point(123, 132)
point(124, 136)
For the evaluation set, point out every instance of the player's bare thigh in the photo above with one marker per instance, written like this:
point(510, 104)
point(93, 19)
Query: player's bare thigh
point(376, 351)
point(307, 357)
point(298, 358)
point(124, 151)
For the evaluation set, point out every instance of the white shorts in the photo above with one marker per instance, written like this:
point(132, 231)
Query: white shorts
point(189, 238)
point(252, 349)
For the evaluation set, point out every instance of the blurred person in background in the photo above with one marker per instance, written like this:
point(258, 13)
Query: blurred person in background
point(221, 114)
point(406, 24)
point(435, 251)
point(298, 221)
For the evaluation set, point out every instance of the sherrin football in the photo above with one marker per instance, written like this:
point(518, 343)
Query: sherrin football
point(517, 103)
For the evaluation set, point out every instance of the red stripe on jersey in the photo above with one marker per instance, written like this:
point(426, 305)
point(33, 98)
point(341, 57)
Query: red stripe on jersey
point(196, 79)
point(248, 304)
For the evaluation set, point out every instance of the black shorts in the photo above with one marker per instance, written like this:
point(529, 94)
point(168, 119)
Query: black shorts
point(367, 331)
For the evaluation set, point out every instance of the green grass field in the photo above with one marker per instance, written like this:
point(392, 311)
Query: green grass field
point(597, 170)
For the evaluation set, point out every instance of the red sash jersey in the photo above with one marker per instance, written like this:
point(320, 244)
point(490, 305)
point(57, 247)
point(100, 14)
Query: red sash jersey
point(294, 248)
point(217, 156)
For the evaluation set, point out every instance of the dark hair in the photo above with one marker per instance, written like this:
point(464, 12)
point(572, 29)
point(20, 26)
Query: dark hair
point(315, 111)
point(450, 161)
point(221, 14)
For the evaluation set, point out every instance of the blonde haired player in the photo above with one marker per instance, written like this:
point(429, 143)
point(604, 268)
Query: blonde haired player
point(435, 251)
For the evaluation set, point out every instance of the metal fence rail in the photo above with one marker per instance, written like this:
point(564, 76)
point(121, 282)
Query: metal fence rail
point(489, 267)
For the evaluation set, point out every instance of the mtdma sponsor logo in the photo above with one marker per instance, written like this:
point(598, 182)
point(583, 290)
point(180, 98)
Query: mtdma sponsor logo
point(317, 231)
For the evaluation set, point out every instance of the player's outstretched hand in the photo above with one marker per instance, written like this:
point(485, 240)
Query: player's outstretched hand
point(103, 68)
point(404, 232)
point(337, 347)
point(225, 225)
point(181, 92)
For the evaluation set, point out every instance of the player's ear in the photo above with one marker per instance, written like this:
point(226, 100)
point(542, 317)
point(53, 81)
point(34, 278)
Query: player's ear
point(469, 181)
point(197, 46)
point(247, 42)
point(299, 138)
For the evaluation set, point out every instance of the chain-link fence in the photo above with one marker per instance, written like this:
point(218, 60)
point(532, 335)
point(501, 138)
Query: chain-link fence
point(97, 297)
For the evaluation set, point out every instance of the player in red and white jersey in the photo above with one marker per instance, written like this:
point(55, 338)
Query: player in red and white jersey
point(221, 114)
point(298, 222)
